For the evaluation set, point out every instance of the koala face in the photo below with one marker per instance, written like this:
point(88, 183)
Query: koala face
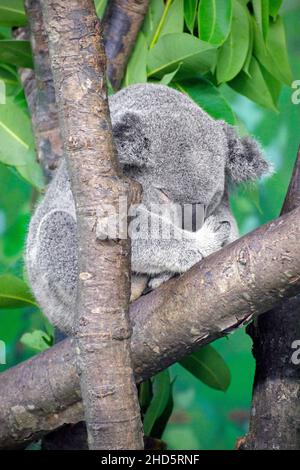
point(167, 142)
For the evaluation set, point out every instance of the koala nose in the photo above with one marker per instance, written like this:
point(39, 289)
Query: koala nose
point(193, 216)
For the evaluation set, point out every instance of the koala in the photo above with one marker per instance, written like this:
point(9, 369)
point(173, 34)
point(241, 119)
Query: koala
point(181, 157)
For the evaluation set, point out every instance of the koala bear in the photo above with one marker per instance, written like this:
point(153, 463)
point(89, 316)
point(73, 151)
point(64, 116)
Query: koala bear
point(181, 156)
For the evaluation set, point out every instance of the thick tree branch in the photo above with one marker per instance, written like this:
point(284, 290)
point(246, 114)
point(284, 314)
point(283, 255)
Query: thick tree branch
point(216, 296)
point(40, 93)
point(275, 417)
point(103, 328)
point(122, 22)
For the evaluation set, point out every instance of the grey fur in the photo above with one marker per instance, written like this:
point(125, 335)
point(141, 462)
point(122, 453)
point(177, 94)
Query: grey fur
point(180, 155)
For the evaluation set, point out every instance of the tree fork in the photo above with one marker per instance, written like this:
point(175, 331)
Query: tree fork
point(103, 328)
point(217, 295)
point(275, 414)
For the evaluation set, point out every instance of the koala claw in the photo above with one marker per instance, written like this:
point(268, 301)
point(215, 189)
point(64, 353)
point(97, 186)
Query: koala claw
point(158, 280)
point(138, 284)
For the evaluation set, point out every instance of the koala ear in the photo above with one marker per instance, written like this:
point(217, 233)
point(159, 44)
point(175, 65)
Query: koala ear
point(245, 160)
point(132, 144)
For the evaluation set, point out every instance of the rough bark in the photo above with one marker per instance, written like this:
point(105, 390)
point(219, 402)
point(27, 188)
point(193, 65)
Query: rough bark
point(103, 328)
point(216, 296)
point(122, 22)
point(275, 414)
point(40, 93)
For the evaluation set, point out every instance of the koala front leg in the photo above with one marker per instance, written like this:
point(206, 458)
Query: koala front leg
point(152, 254)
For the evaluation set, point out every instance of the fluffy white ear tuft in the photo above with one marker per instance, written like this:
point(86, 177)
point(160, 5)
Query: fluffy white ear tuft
point(245, 159)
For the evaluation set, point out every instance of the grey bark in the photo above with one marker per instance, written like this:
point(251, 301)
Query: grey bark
point(275, 414)
point(103, 329)
point(122, 22)
point(216, 296)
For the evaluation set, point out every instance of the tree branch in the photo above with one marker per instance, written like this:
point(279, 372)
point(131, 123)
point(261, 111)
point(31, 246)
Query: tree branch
point(103, 328)
point(122, 22)
point(40, 93)
point(275, 417)
point(216, 296)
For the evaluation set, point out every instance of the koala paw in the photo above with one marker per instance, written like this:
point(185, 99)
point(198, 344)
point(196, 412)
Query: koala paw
point(138, 284)
point(158, 280)
point(215, 234)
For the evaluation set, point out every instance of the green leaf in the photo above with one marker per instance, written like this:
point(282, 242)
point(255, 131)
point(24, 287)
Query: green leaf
point(17, 143)
point(14, 293)
point(190, 12)
point(169, 76)
point(136, 71)
point(251, 45)
point(233, 53)
point(16, 53)
point(274, 7)
point(37, 340)
point(100, 7)
point(161, 392)
point(10, 79)
point(12, 13)
point(261, 13)
point(273, 56)
point(214, 20)
point(152, 19)
point(208, 366)
point(161, 423)
point(145, 394)
point(174, 21)
point(171, 50)
point(255, 87)
point(208, 97)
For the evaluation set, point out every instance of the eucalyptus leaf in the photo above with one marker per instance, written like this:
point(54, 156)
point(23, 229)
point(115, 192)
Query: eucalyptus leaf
point(161, 423)
point(190, 12)
point(174, 21)
point(152, 19)
point(250, 48)
point(100, 7)
point(167, 79)
point(145, 394)
point(233, 53)
point(214, 20)
point(255, 87)
point(12, 13)
point(15, 52)
point(14, 292)
point(208, 97)
point(208, 366)
point(273, 55)
point(274, 7)
point(17, 143)
point(161, 387)
point(10, 79)
point(171, 50)
point(261, 13)
point(136, 71)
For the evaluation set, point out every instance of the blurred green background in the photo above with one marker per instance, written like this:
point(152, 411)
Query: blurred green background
point(202, 418)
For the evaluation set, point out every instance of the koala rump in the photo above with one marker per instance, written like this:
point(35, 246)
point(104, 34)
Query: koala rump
point(180, 155)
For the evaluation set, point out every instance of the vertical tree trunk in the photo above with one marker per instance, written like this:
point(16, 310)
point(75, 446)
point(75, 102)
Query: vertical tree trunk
point(103, 328)
point(275, 414)
point(122, 22)
point(43, 106)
